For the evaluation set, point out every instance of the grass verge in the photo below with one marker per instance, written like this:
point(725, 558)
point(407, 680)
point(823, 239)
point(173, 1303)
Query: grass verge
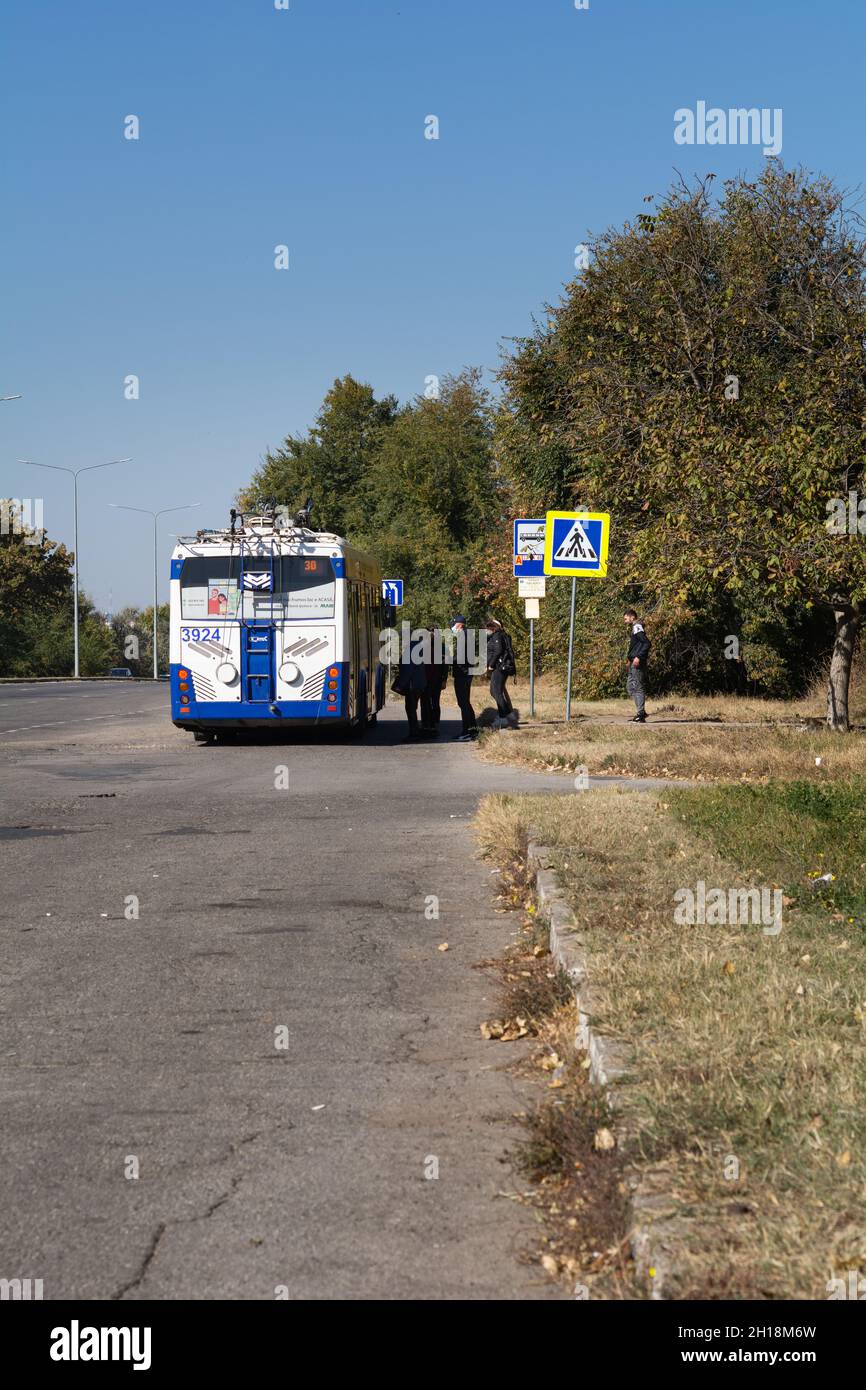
point(810, 708)
point(748, 1102)
point(703, 752)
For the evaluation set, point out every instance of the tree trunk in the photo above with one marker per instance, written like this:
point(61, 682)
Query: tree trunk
point(848, 619)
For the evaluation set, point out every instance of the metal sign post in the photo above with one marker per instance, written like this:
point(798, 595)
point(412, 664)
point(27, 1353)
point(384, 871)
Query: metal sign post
point(570, 651)
point(575, 544)
point(533, 610)
point(529, 538)
point(532, 668)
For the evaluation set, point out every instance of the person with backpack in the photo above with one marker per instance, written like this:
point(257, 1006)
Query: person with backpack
point(638, 652)
point(501, 665)
point(411, 682)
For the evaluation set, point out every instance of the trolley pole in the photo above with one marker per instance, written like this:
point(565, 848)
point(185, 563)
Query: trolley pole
point(570, 650)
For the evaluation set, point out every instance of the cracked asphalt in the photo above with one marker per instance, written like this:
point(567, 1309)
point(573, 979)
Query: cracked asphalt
point(265, 916)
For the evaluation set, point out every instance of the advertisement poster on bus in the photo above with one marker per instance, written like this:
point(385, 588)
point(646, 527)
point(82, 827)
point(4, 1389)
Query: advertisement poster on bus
point(217, 599)
point(222, 598)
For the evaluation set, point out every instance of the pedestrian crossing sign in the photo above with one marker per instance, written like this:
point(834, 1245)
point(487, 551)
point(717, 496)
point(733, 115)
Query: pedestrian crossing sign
point(576, 544)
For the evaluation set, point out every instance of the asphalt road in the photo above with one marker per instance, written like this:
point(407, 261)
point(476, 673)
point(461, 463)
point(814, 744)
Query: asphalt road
point(150, 1045)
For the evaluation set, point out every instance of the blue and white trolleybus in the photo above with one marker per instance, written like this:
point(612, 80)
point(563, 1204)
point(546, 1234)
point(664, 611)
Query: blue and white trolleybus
point(274, 623)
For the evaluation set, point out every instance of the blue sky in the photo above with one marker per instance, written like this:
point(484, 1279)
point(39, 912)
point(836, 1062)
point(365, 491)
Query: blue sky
point(305, 127)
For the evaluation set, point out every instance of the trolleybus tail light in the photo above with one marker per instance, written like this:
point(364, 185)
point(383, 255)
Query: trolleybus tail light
point(183, 675)
point(332, 690)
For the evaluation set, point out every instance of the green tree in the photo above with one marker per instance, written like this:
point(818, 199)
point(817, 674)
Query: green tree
point(704, 381)
point(49, 641)
point(333, 463)
point(35, 585)
point(436, 500)
point(132, 633)
point(416, 485)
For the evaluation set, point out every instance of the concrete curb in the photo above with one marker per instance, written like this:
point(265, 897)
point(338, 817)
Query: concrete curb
point(654, 1223)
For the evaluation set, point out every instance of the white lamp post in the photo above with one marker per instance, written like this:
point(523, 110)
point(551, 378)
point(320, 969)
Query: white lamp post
point(75, 472)
point(146, 512)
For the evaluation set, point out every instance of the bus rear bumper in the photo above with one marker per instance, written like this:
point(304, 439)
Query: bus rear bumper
point(196, 723)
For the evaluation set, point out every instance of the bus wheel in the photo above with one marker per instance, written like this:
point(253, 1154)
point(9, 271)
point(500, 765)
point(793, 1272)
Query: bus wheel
point(201, 737)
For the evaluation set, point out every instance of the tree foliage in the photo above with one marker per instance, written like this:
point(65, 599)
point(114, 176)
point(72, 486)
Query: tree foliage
point(704, 381)
point(416, 484)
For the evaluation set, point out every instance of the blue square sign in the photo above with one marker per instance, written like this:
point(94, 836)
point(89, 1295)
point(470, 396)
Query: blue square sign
point(576, 544)
point(528, 548)
point(392, 592)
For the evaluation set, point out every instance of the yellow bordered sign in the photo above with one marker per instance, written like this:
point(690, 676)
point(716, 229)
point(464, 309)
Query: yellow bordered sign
point(576, 544)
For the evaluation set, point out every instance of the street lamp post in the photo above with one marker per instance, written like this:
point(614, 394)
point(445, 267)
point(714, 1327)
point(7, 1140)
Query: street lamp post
point(75, 472)
point(147, 512)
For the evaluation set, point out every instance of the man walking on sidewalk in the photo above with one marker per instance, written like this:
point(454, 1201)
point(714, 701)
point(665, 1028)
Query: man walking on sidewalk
point(638, 651)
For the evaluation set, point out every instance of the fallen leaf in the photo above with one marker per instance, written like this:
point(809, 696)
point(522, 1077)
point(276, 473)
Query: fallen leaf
point(604, 1140)
point(443, 947)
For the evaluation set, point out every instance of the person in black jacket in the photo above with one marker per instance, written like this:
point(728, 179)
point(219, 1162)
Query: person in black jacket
point(501, 665)
point(437, 676)
point(461, 671)
point(411, 683)
point(638, 652)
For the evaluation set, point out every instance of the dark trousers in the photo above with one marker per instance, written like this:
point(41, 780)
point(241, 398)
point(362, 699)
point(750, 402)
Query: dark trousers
point(434, 700)
point(462, 690)
point(410, 701)
point(500, 694)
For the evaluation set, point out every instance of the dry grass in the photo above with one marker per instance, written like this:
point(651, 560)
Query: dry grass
point(728, 709)
point(749, 1049)
point(690, 751)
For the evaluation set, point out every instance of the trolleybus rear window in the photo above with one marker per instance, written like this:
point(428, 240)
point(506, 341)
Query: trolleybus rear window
point(298, 586)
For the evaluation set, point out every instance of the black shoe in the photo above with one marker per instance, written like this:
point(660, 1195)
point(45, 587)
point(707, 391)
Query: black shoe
point(639, 719)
